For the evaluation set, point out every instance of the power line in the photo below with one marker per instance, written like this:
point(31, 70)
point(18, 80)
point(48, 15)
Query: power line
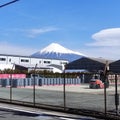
point(8, 3)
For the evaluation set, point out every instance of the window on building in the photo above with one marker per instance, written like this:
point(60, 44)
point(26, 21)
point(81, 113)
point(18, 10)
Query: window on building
point(2, 59)
point(47, 62)
point(63, 63)
point(10, 60)
point(24, 60)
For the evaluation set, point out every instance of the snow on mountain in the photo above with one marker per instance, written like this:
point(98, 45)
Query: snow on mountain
point(56, 51)
point(54, 47)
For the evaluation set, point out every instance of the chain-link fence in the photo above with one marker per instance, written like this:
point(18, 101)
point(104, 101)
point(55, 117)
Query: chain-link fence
point(67, 91)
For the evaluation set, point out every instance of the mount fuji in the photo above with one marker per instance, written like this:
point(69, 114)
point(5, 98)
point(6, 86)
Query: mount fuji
point(56, 51)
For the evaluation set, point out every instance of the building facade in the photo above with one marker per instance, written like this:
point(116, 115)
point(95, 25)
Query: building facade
point(8, 62)
point(88, 64)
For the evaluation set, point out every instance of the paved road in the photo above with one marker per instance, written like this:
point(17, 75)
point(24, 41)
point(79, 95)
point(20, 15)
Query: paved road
point(76, 96)
point(13, 112)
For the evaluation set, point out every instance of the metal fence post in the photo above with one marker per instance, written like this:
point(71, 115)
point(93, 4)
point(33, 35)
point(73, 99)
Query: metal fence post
point(11, 87)
point(64, 92)
point(34, 85)
point(11, 83)
point(106, 69)
point(105, 98)
point(116, 95)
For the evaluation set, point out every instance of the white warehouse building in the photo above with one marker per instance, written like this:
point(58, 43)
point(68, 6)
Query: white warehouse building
point(11, 61)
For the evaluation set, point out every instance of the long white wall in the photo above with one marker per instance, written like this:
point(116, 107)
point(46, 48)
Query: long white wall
point(26, 60)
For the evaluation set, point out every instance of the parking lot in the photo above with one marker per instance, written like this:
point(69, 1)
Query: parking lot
point(76, 96)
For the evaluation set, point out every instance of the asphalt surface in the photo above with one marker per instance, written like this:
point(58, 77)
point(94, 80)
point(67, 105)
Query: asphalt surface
point(14, 112)
point(79, 96)
point(76, 96)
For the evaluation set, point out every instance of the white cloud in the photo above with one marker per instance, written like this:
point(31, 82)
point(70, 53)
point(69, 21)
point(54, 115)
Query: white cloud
point(104, 52)
point(38, 31)
point(6, 48)
point(31, 33)
point(106, 37)
point(106, 44)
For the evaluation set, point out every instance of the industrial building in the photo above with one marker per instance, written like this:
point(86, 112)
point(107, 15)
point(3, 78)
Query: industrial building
point(29, 63)
point(84, 64)
point(115, 66)
point(88, 64)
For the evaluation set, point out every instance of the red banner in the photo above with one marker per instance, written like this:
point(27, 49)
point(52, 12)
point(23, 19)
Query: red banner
point(4, 76)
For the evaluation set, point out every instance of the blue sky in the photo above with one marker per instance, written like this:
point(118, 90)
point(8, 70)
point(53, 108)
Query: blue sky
point(91, 27)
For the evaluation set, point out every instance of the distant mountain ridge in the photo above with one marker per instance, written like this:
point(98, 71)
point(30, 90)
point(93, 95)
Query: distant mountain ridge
point(56, 51)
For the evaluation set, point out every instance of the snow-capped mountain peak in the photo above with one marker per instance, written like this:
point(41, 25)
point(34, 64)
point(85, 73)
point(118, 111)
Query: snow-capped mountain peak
point(56, 48)
point(56, 51)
